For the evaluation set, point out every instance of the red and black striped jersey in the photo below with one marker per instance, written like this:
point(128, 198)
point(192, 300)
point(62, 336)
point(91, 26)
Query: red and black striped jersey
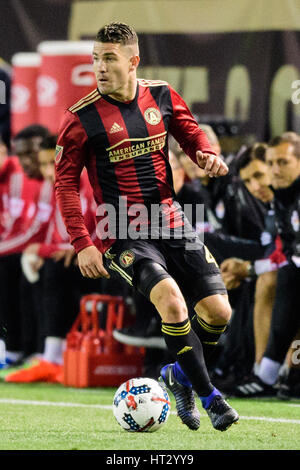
point(124, 147)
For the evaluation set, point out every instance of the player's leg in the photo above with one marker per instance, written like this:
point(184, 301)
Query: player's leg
point(212, 315)
point(199, 276)
point(284, 326)
point(183, 344)
point(210, 321)
point(264, 299)
point(180, 338)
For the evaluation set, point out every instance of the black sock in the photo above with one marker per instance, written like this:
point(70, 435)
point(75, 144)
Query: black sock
point(184, 344)
point(209, 336)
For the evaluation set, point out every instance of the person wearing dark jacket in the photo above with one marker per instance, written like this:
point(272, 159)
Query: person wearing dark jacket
point(283, 159)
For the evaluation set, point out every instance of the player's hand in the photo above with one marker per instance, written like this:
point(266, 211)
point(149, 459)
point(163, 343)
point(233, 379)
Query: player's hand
point(230, 281)
point(212, 165)
point(90, 263)
point(235, 267)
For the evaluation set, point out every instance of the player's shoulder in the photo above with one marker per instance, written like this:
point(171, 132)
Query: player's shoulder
point(151, 83)
point(93, 96)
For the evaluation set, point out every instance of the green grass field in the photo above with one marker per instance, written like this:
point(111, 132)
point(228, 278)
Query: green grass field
point(54, 417)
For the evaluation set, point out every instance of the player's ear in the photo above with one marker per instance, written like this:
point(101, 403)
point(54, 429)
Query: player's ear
point(134, 62)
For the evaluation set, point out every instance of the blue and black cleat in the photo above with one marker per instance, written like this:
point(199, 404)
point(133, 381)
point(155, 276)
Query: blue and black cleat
point(184, 397)
point(221, 414)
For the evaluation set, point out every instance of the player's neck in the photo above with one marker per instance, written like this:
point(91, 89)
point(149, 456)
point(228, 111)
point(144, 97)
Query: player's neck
point(127, 93)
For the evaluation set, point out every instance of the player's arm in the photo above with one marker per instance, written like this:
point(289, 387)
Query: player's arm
point(71, 154)
point(192, 139)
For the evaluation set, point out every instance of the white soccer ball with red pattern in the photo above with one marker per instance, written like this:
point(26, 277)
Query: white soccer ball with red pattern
point(141, 405)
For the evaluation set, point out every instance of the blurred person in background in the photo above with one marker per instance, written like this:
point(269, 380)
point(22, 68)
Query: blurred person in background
point(24, 218)
point(232, 209)
point(283, 160)
point(233, 223)
point(61, 284)
point(260, 275)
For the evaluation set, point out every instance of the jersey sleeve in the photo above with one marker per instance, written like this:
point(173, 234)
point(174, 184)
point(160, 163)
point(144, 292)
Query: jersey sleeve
point(185, 130)
point(71, 152)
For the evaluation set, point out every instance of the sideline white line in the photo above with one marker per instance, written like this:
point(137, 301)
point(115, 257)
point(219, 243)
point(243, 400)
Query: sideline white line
point(52, 403)
point(109, 407)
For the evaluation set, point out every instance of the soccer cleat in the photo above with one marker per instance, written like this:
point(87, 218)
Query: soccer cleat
point(44, 371)
point(221, 414)
point(184, 397)
point(253, 387)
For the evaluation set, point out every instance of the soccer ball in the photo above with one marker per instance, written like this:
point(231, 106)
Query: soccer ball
point(141, 405)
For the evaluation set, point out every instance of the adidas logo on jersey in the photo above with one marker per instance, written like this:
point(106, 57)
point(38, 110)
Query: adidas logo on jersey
point(115, 128)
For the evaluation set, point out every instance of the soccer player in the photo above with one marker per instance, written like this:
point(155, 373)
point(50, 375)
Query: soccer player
point(119, 133)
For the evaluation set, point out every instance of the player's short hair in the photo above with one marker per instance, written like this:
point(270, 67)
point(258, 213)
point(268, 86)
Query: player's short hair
point(289, 138)
point(117, 33)
point(34, 130)
point(49, 142)
point(256, 151)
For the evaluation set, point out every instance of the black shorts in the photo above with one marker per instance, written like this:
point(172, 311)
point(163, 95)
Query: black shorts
point(187, 260)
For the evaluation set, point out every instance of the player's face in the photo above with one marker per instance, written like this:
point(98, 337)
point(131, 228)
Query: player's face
point(27, 152)
point(46, 163)
point(114, 66)
point(257, 180)
point(284, 166)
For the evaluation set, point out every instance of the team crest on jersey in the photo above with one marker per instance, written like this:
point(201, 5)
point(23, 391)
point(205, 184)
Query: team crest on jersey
point(127, 258)
point(295, 221)
point(152, 116)
point(58, 153)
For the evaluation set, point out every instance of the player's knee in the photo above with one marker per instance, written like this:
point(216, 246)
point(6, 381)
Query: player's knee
point(215, 309)
point(221, 314)
point(169, 301)
point(175, 310)
point(224, 313)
